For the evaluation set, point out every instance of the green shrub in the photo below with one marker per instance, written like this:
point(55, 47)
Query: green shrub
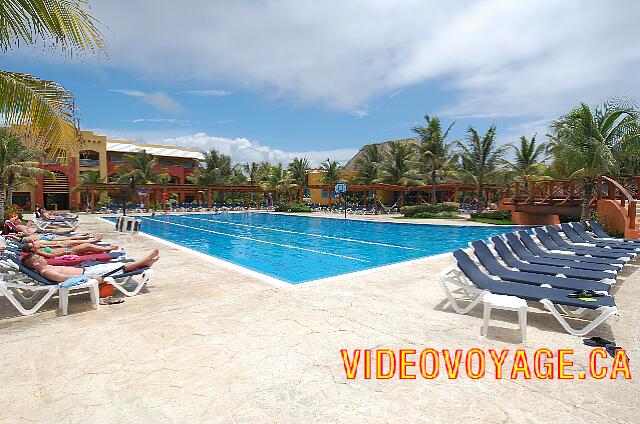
point(293, 207)
point(499, 215)
point(429, 208)
point(436, 215)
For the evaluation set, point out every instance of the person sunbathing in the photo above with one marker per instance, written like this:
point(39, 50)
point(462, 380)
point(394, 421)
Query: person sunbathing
point(14, 224)
point(54, 238)
point(59, 273)
point(55, 215)
point(53, 252)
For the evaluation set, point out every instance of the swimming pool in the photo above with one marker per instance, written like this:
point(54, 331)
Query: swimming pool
point(298, 249)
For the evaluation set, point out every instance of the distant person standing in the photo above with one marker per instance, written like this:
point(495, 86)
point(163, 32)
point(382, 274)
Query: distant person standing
point(269, 201)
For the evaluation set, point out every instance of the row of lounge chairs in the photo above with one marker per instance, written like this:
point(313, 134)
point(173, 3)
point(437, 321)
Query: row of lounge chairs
point(568, 269)
point(28, 291)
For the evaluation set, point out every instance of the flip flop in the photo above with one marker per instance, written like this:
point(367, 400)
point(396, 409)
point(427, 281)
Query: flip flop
point(111, 300)
point(597, 342)
point(585, 294)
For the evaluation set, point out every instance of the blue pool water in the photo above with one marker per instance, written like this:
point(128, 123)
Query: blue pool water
point(297, 249)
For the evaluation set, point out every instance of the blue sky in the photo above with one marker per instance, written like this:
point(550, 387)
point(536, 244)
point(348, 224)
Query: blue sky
point(265, 80)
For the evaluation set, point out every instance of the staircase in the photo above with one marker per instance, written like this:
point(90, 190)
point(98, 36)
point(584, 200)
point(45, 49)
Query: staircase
point(618, 207)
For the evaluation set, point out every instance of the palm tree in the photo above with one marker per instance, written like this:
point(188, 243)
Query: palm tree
point(140, 165)
point(434, 153)
point(528, 158)
point(481, 158)
point(217, 170)
point(298, 169)
point(17, 166)
point(332, 174)
point(252, 172)
point(596, 141)
point(276, 180)
point(44, 110)
point(397, 166)
point(90, 177)
point(368, 164)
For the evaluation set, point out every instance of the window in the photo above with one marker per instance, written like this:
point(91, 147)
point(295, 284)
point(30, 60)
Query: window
point(116, 159)
point(324, 194)
point(165, 163)
point(187, 164)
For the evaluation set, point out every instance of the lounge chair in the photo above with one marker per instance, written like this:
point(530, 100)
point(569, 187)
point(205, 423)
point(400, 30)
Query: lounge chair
point(531, 245)
point(45, 224)
point(565, 270)
point(601, 233)
point(490, 262)
point(557, 237)
point(574, 237)
point(477, 284)
point(523, 253)
point(553, 245)
point(17, 286)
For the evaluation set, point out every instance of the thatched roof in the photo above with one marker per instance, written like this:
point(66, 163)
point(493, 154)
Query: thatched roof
point(383, 146)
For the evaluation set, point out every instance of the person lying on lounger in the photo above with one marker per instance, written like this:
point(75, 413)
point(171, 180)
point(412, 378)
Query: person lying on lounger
point(52, 239)
point(52, 252)
point(46, 242)
point(63, 273)
point(14, 225)
point(51, 215)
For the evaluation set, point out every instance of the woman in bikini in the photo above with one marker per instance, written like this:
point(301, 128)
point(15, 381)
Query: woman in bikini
point(54, 252)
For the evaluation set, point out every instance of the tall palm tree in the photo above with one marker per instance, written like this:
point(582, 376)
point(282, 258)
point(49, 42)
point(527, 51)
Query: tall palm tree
point(90, 177)
point(481, 158)
point(332, 174)
point(299, 171)
point(397, 165)
point(368, 164)
point(277, 180)
point(216, 170)
point(252, 172)
point(528, 157)
point(596, 141)
point(44, 109)
point(17, 166)
point(140, 165)
point(434, 153)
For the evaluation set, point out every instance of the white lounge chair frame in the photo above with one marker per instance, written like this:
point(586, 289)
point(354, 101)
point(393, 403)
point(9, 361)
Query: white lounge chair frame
point(139, 284)
point(457, 278)
point(13, 290)
point(43, 225)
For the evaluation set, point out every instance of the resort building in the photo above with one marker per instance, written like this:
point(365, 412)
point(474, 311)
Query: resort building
point(98, 153)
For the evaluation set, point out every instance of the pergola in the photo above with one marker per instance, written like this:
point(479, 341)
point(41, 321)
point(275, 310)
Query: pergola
point(159, 191)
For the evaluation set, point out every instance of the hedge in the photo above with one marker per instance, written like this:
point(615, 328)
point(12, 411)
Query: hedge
point(502, 215)
point(294, 207)
point(428, 207)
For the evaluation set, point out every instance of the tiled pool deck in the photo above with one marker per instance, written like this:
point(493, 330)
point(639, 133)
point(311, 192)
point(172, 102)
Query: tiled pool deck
point(206, 343)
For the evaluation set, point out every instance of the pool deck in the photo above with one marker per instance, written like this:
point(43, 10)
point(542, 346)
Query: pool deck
point(205, 343)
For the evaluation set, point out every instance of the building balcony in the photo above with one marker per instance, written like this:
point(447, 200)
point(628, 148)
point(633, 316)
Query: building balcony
point(85, 163)
point(52, 160)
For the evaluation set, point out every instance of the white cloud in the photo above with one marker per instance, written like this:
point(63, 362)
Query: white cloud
point(212, 93)
point(157, 99)
point(162, 120)
point(497, 57)
point(245, 150)
point(240, 149)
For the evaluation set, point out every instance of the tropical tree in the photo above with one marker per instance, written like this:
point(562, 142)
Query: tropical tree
point(481, 158)
point(142, 166)
point(253, 172)
point(597, 141)
point(17, 166)
point(299, 171)
point(216, 170)
point(332, 174)
point(433, 153)
point(397, 165)
point(529, 156)
point(90, 177)
point(44, 110)
point(277, 180)
point(368, 164)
